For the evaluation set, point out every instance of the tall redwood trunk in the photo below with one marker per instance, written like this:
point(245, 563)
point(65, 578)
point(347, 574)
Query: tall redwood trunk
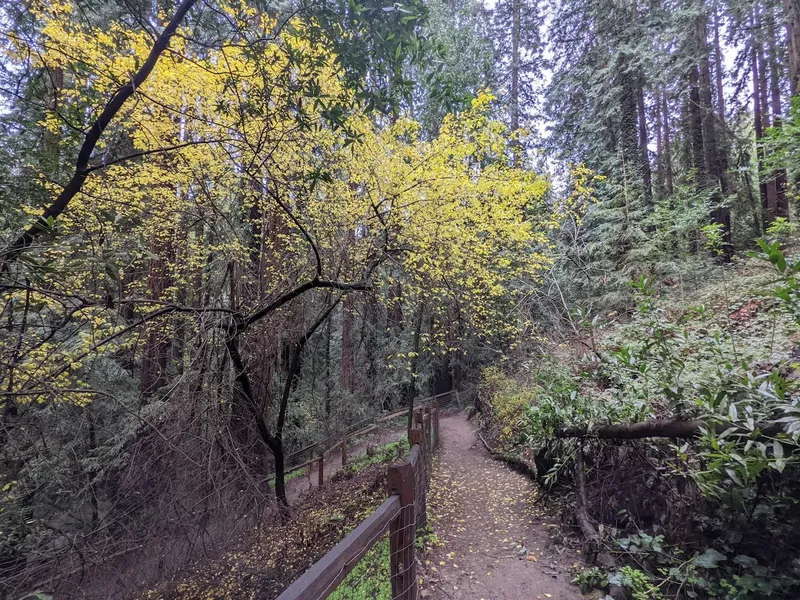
point(758, 124)
point(778, 178)
point(644, 159)
point(719, 73)
point(348, 373)
point(791, 9)
point(767, 186)
point(659, 148)
point(667, 146)
point(718, 69)
point(515, 33)
point(713, 154)
point(696, 125)
point(156, 349)
point(515, 67)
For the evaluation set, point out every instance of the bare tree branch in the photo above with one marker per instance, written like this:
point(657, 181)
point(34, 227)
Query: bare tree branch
point(82, 168)
point(294, 293)
point(115, 161)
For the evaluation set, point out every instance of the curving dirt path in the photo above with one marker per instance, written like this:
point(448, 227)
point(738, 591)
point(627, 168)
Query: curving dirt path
point(493, 543)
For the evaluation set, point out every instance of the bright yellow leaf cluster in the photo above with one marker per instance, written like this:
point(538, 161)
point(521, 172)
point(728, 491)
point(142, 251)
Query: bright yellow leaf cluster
point(222, 179)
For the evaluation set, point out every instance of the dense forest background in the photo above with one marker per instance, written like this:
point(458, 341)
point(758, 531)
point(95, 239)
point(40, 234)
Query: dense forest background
point(233, 228)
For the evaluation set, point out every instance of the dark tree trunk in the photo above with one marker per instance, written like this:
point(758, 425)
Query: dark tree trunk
point(718, 70)
point(791, 10)
point(768, 213)
point(290, 384)
point(711, 150)
point(763, 95)
point(515, 35)
point(348, 350)
point(644, 158)
point(668, 177)
point(713, 156)
point(156, 349)
point(248, 411)
point(775, 60)
point(722, 134)
point(696, 126)
point(395, 311)
point(659, 191)
point(280, 472)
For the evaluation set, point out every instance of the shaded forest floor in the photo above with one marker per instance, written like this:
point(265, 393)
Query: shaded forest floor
point(494, 541)
point(264, 562)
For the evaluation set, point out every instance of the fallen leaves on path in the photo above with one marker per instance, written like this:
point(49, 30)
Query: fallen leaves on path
point(491, 535)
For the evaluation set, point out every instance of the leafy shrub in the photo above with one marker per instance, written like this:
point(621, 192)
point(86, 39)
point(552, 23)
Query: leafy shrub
point(382, 454)
point(637, 582)
point(593, 578)
point(507, 401)
point(728, 363)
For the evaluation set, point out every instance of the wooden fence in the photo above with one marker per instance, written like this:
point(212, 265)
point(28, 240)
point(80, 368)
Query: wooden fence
point(402, 513)
point(317, 452)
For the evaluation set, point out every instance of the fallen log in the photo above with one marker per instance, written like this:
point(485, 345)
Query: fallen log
point(666, 428)
point(518, 463)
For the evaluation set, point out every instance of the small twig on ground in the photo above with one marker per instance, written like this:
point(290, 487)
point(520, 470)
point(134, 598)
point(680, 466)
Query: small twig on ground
point(488, 448)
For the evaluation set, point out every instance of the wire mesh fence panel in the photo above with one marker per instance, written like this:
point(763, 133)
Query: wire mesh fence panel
point(388, 570)
point(377, 560)
point(402, 556)
point(446, 401)
point(371, 577)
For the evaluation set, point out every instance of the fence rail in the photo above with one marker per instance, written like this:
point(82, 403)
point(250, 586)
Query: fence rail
point(323, 577)
point(402, 514)
point(316, 453)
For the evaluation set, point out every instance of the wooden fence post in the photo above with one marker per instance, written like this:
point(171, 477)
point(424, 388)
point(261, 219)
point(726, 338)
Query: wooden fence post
point(415, 437)
point(402, 533)
point(429, 431)
point(344, 451)
point(418, 438)
point(418, 416)
point(436, 427)
point(321, 463)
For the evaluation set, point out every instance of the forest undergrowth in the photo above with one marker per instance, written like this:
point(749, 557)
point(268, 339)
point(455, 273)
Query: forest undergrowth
point(712, 514)
point(265, 561)
point(232, 230)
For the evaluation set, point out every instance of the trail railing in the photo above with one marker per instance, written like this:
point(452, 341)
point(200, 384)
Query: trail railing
point(316, 453)
point(401, 515)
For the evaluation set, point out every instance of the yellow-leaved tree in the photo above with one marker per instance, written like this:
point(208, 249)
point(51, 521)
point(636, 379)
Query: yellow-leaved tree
point(240, 194)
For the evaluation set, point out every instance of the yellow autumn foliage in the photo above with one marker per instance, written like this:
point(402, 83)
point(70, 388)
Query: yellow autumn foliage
point(228, 157)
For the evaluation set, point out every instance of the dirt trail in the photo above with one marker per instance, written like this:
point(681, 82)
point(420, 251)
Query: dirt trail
point(493, 544)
